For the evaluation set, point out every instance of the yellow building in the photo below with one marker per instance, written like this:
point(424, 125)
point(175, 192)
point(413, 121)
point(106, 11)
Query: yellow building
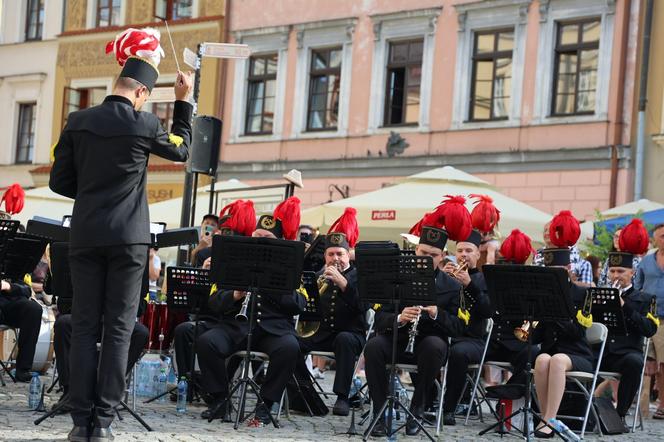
point(84, 73)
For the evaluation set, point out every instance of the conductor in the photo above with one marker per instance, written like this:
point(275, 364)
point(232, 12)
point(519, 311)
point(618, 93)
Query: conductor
point(101, 162)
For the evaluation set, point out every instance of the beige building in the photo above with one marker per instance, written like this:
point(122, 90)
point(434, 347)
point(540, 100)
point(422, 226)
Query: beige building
point(79, 74)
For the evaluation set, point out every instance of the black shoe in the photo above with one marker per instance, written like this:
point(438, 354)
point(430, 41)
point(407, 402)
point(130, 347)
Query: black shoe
point(624, 424)
point(62, 406)
point(78, 434)
point(542, 435)
point(412, 427)
point(341, 407)
point(23, 376)
point(448, 418)
point(379, 429)
point(218, 410)
point(262, 413)
point(100, 434)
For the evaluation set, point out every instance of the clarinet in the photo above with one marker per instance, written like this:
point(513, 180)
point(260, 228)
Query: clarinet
point(242, 315)
point(412, 334)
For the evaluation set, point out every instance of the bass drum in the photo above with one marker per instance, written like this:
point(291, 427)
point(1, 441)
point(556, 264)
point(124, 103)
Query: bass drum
point(7, 341)
point(44, 351)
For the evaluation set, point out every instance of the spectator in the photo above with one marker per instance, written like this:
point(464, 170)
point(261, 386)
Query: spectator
point(154, 272)
point(650, 278)
point(202, 251)
point(595, 264)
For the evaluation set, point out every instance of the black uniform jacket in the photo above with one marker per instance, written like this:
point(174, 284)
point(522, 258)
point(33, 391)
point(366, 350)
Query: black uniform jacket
point(447, 324)
point(101, 161)
point(567, 337)
point(341, 311)
point(478, 304)
point(274, 314)
point(17, 291)
point(637, 325)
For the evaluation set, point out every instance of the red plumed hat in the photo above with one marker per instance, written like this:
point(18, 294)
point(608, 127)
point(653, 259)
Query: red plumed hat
point(634, 238)
point(516, 247)
point(242, 218)
point(564, 230)
point(485, 215)
point(347, 224)
point(417, 228)
point(454, 216)
point(143, 43)
point(288, 212)
point(14, 198)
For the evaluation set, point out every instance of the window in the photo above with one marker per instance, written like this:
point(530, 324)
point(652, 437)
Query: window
point(404, 75)
point(492, 75)
point(34, 20)
point(163, 111)
point(77, 99)
point(174, 9)
point(25, 143)
point(575, 68)
point(262, 82)
point(108, 13)
point(324, 87)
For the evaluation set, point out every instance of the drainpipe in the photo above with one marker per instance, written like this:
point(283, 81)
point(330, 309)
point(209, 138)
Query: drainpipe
point(643, 91)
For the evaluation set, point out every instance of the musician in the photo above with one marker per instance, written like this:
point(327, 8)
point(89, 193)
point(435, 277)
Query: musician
point(342, 326)
point(101, 161)
point(18, 310)
point(563, 346)
point(436, 324)
point(624, 354)
point(62, 344)
point(273, 333)
point(468, 348)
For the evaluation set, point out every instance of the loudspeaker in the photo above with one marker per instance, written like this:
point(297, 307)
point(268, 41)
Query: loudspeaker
point(206, 141)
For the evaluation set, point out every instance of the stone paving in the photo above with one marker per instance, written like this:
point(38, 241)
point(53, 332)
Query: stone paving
point(16, 424)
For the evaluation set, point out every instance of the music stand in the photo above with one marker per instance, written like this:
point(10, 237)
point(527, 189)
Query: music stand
point(314, 257)
point(255, 265)
point(528, 293)
point(22, 254)
point(607, 309)
point(386, 277)
point(8, 229)
point(188, 289)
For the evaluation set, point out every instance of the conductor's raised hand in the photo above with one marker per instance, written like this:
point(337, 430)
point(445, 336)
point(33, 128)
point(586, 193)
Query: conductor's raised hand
point(183, 85)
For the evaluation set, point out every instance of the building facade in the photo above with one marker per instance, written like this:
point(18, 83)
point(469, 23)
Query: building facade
point(534, 96)
point(81, 74)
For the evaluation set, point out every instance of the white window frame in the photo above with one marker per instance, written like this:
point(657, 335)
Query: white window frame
point(91, 12)
point(262, 41)
point(195, 9)
point(485, 16)
point(552, 12)
point(318, 35)
point(392, 27)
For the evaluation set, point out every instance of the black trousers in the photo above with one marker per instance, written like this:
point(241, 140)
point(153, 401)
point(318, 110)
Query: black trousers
point(216, 345)
point(429, 355)
point(107, 285)
point(518, 359)
point(346, 346)
point(629, 366)
point(183, 342)
point(62, 345)
point(25, 315)
point(462, 354)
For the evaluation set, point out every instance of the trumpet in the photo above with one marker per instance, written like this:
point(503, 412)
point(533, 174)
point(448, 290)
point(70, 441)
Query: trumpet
point(460, 268)
point(242, 315)
point(323, 284)
point(412, 334)
point(522, 333)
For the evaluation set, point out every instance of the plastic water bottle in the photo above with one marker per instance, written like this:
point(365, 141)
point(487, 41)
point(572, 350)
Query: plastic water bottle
point(155, 372)
point(181, 406)
point(172, 378)
point(35, 391)
point(355, 386)
point(163, 388)
point(563, 429)
point(392, 435)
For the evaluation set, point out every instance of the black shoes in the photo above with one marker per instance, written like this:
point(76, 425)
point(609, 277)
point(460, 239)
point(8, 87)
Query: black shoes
point(217, 410)
point(23, 376)
point(78, 434)
point(263, 414)
point(448, 418)
point(101, 434)
point(379, 429)
point(624, 424)
point(341, 407)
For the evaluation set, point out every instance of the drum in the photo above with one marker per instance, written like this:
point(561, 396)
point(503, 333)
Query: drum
point(161, 324)
point(7, 341)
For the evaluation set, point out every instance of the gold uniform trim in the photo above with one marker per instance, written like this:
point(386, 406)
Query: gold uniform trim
point(175, 139)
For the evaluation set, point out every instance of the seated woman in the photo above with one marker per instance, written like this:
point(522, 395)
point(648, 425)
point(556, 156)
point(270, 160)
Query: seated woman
point(563, 348)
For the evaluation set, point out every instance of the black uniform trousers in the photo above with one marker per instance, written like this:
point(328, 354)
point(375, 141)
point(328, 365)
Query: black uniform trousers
point(346, 346)
point(183, 343)
point(24, 314)
point(62, 345)
point(216, 345)
point(429, 355)
point(462, 354)
point(629, 365)
point(107, 285)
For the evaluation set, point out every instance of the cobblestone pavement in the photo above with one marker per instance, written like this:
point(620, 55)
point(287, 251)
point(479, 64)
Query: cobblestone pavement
point(16, 424)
